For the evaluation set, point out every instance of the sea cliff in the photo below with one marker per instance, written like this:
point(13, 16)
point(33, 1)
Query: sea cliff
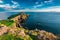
point(12, 29)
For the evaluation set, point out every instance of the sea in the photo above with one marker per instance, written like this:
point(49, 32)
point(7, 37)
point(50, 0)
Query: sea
point(48, 21)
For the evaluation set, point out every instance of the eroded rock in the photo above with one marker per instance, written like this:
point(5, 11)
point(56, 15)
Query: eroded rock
point(3, 30)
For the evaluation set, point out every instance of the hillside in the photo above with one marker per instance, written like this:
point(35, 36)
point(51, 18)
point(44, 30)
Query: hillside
point(13, 30)
point(7, 22)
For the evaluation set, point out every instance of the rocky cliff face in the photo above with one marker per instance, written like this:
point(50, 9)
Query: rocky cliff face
point(58, 37)
point(42, 35)
point(20, 19)
point(18, 30)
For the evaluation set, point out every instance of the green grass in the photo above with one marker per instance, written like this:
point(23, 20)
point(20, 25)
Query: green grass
point(7, 22)
point(33, 37)
point(11, 37)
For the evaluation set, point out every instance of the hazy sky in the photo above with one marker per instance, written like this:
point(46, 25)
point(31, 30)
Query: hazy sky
point(45, 5)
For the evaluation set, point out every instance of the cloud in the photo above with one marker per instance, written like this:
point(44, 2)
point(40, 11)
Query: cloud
point(6, 6)
point(38, 5)
point(48, 1)
point(14, 2)
point(49, 9)
point(1, 6)
point(1, 1)
point(41, 3)
point(9, 6)
point(36, 2)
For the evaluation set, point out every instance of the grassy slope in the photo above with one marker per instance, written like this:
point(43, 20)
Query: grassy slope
point(7, 22)
point(11, 37)
point(8, 36)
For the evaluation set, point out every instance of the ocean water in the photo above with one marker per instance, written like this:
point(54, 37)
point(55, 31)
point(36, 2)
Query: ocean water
point(49, 21)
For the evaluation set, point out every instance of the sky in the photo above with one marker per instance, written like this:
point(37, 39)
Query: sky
point(29, 5)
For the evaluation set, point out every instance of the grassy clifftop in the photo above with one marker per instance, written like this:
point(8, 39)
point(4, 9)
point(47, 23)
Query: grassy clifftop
point(14, 19)
point(7, 22)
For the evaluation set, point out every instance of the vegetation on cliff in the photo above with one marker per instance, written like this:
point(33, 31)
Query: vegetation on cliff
point(7, 22)
point(17, 32)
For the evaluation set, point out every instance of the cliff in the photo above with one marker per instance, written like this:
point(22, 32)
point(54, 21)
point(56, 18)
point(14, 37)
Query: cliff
point(20, 19)
point(14, 20)
point(17, 32)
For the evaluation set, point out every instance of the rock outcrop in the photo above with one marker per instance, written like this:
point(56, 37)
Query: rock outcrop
point(43, 35)
point(3, 30)
point(20, 19)
point(58, 37)
point(21, 32)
